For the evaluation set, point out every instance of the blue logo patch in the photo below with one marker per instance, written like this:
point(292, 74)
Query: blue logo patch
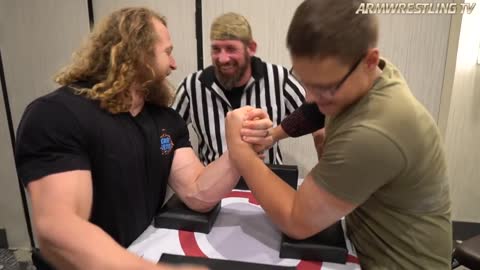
point(166, 144)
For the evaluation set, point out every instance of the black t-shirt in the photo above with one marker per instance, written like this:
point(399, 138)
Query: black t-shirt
point(129, 157)
point(234, 96)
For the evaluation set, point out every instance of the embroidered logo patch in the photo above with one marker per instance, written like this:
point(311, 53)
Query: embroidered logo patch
point(166, 144)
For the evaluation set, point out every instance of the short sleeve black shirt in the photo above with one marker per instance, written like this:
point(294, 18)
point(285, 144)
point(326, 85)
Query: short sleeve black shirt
point(129, 157)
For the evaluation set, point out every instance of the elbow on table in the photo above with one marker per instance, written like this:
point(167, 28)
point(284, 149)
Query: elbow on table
point(198, 205)
point(299, 232)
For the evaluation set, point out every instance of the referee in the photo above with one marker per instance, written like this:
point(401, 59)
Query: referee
point(236, 78)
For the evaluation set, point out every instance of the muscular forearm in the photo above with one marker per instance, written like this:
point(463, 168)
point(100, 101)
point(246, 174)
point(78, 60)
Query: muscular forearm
point(214, 182)
point(275, 196)
point(69, 242)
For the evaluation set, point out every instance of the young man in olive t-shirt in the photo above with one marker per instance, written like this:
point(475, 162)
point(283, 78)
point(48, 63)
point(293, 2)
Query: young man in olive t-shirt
point(383, 164)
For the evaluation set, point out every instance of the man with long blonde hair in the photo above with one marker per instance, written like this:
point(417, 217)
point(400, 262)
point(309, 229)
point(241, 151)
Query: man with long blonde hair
point(96, 155)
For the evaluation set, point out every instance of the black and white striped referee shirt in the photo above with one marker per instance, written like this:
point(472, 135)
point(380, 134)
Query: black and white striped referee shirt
point(200, 100)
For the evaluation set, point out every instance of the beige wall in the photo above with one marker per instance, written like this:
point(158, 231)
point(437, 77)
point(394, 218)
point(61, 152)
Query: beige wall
point(37, 40)
point(463, 123)
point(11, 213)
point(417, 44)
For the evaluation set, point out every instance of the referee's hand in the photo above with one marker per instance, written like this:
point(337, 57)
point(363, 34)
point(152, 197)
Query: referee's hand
point(256, 130)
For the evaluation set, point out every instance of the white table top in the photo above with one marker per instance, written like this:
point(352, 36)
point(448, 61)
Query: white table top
point(242, 232)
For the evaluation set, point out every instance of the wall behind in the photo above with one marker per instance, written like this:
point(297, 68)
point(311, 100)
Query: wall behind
point(36, 38)
point(463, 126)
point(417, 44)
point(11, 215)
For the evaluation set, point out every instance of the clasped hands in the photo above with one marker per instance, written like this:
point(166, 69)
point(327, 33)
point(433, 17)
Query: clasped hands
point(248, 131)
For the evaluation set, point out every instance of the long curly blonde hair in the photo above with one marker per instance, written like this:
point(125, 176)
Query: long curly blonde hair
point(115, 56)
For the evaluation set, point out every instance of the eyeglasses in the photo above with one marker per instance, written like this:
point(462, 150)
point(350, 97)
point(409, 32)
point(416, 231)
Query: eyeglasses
point(332, 90)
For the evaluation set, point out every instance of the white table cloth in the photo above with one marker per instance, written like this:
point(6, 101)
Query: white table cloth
point(242, 232)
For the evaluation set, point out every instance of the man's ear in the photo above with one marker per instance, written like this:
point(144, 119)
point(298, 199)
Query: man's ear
point(252, 47)
point(372, 58)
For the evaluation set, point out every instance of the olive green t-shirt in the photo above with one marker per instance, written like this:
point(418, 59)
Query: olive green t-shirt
point(384, 153)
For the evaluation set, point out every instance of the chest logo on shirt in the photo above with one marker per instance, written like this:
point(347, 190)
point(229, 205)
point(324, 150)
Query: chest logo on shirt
point(166, 144)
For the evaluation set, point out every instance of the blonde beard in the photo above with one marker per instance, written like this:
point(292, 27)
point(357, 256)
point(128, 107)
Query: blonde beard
point(160, 92)
point(229, 82)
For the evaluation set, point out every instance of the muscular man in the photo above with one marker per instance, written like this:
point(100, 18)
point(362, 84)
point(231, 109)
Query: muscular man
point(97, 154)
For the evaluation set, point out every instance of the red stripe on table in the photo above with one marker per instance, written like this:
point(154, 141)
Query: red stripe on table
point(353, 259)
point(189, 244)
point(240, 194)
point(309, 265)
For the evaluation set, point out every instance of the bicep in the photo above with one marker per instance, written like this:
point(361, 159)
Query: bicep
point(67, 192)
point(356, 164)
point(315, 209)
point(186, 167)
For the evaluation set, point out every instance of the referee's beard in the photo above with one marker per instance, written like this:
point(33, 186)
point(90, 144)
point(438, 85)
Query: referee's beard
point(229, 81)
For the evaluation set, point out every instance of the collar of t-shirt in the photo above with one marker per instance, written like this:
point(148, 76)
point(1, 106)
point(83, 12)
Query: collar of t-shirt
point(234, 96)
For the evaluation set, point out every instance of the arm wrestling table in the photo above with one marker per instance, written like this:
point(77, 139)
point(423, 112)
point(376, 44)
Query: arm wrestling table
point(241, 232)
